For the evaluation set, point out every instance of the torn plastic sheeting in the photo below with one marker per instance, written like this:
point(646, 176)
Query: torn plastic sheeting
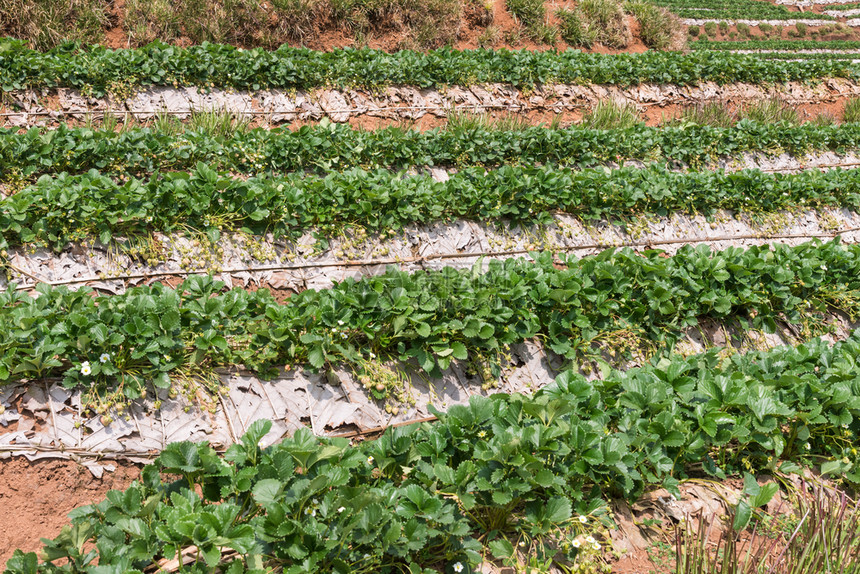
point(404, 102)
point(327, 403)
point(456, 244)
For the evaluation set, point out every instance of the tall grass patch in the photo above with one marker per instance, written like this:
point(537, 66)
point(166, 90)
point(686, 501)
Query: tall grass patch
point(44, 24)
point(240, 22)
point(771, 110)
point(823, 538)
point(428, 24)
point(595, 21)
point(852, 111)
point(609, 114)
point(532, 15)
point(717, 114)
point(659, 29)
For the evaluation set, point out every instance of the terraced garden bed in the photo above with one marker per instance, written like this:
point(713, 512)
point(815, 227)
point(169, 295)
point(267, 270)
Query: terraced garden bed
point(609, 329)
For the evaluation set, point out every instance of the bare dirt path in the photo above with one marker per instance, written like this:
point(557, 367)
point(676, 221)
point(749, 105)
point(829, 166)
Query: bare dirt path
point(36, 497)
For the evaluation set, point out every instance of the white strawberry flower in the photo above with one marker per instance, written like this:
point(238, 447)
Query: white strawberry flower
point(583, 519)
point(458, 567)
point(104, 358)
point(86, 369)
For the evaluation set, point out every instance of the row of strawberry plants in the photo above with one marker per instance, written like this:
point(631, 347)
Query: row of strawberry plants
point(66, 208)
point(731, 45)
point(731, 9)
point(116, 343)
point(99, 70)
point(848, 6)
point(337, 147)
point(504, 473)
point(772, 56)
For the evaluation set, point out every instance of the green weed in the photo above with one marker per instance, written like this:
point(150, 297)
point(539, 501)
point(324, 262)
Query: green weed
point(659, 29)
point(608, 114)
point(771, 110)
point(45, 24)
point(607, 20)
point(852, 111)
point(715, 114)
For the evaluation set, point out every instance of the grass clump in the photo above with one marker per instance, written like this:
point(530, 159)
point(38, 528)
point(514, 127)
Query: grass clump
point(532, 15)
point(215, 123)
point(710, 29)
point(595, 22)
point(607, 17)
point(769, 111)
point(824, 119)
point(800, 29)
point(45, 24)
point(659, 29)
point(822, 535)
point(241, 22)
point(467, 121)
point(296, 18)
point(529, 12)
point(490, 36)
point(852, 111)
point(430, 23)
point(574, 31)
point(608, 114)
point(715, 114)
point(249, 23)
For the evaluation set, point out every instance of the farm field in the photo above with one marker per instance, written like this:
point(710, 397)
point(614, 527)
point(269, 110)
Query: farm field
point(502, 287)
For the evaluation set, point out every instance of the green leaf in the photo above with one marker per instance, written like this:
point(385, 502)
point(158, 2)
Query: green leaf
point(751, 486)
point(316, 357)
point(545, 478)
point(501, 548)
point(765, 495)
point(267, 491)
point(558, 510)
point(743, 514)
point(460, 352)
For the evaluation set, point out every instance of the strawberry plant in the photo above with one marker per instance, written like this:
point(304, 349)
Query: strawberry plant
point(96, 69)
point(336, 147)
point(112, 343)
point(64, 208)
point(506, 472)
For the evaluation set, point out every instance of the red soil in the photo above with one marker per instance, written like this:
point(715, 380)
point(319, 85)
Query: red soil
point(36, 497)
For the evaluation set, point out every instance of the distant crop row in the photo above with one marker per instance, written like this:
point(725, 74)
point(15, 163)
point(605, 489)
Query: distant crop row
point(98, 71)
point(57, 210)
point(627, 301)
point(502, 473)
point(776, 45)
point(732, 9)
point(848, 6)
point(789, 56)
point(339, 147)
